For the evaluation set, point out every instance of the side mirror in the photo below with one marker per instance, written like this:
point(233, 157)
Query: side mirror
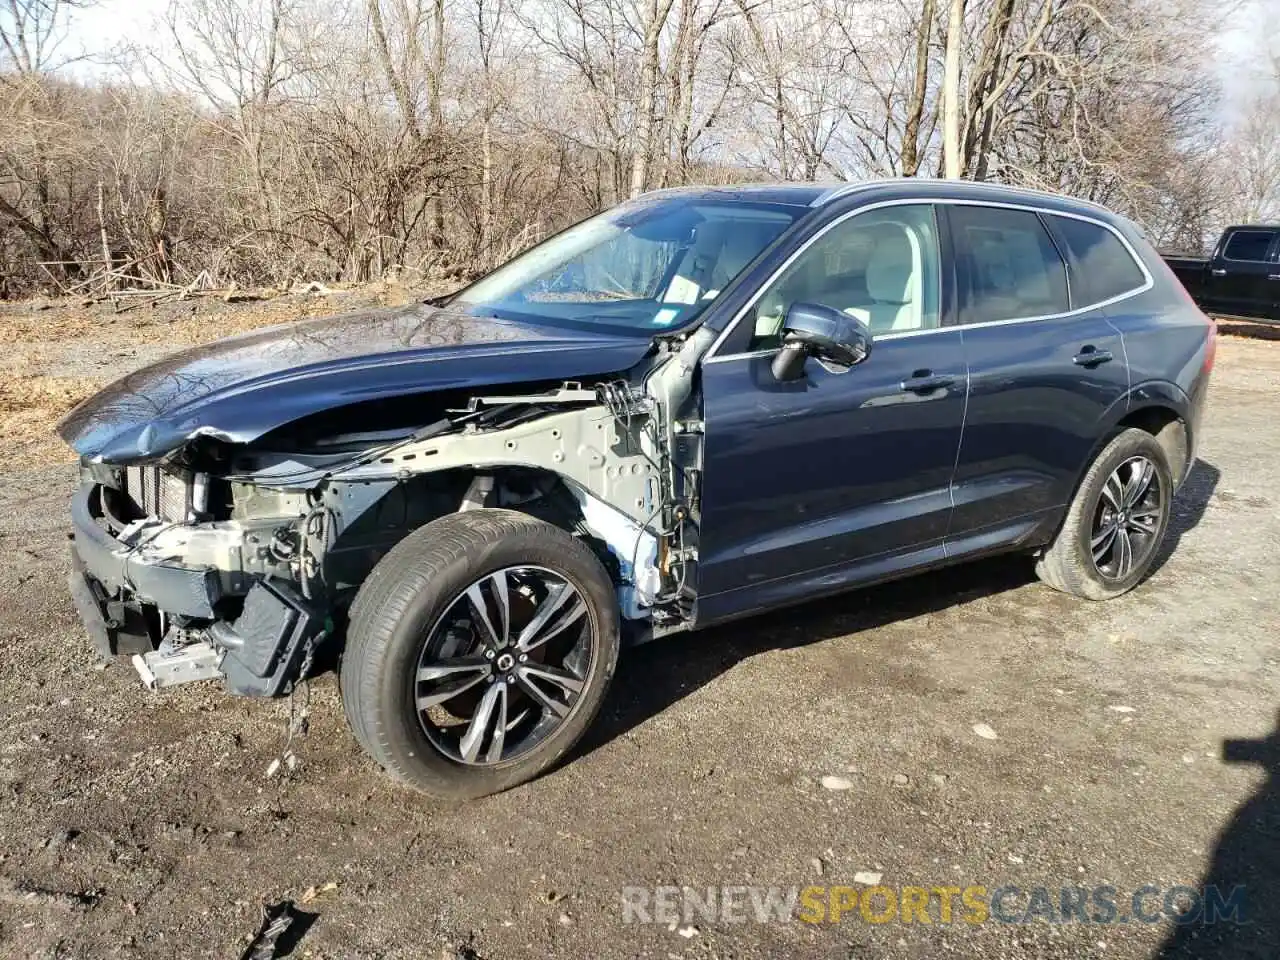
point(813, 330)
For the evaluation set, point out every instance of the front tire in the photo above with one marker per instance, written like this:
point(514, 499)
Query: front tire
point(479, 651)
point(1116, 522)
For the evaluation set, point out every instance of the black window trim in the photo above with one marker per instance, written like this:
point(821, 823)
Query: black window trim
point(714, 356)
point(1063, 254)
point(1268, 257)
point(1072, 263)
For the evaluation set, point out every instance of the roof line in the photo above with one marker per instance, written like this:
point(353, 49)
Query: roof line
point(857, 186)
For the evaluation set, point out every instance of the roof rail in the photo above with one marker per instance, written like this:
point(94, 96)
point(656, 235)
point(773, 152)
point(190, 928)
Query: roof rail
point(857, 186)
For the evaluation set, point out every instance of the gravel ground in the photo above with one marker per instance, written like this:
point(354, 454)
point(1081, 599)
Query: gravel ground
point(145, 825)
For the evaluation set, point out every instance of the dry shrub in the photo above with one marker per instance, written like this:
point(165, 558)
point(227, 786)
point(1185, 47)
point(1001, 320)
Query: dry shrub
point(32, 402)
point(30, 407)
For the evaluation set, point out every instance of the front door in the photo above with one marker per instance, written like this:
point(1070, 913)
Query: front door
point(1239, 282)
point(1273, 282)
point(838, 477)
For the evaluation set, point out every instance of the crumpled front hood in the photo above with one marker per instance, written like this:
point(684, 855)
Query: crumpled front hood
point(240, 388)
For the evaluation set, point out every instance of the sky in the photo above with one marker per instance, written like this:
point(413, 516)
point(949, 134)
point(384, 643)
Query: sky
point(100, 28)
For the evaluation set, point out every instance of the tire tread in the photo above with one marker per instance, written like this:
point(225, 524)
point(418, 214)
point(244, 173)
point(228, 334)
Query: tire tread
point(405, 574)
point(1063, 565)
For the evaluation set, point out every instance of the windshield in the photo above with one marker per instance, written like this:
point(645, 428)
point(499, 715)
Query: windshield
point(641, 267)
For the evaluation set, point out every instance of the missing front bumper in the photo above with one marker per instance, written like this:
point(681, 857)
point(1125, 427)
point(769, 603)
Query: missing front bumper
point(256, 639)
point(117, 627)
point(176, 588)
point(261, 653)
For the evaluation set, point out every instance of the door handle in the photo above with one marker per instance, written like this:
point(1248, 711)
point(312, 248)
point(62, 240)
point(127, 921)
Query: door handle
point(1273, 276)
point(1091, 356)
point(1218, 272)
point(925, 381)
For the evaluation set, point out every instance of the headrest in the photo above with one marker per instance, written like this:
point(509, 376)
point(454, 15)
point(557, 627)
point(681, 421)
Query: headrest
point(740, 246)
point(892, 266)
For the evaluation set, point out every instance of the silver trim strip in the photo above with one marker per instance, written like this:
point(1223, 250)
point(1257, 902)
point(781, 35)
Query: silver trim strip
point(712, 356)
point(844, 190)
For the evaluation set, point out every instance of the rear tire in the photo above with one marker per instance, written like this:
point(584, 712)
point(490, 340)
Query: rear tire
point(445, 666)
point(1116, 522)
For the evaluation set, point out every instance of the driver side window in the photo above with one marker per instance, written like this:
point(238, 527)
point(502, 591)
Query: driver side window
point(880, 266)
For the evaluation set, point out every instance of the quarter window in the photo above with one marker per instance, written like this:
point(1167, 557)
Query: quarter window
point(880, 266)
point(1249, 245)
point(1007, 266)
point(1101, 266)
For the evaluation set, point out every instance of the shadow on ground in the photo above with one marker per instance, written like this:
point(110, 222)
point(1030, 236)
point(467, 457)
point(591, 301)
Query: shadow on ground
point(1252, 331)
point(655, 676)
point(1246, 861)
point(1188, 508)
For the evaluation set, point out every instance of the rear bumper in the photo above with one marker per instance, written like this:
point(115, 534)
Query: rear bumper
point(173, 587)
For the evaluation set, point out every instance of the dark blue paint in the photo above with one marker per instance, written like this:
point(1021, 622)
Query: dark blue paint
point(245, 386)
point(1034, 415)
point(805, 480)
point(810, 486)
point(813, 492)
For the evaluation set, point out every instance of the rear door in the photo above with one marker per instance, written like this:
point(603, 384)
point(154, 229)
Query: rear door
point(841, 476)
point(1239, 282)
point(1043, 373)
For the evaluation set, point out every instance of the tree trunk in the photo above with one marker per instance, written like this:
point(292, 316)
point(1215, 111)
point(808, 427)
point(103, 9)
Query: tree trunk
point(650, 75)
point(486, 187)
point(107, 282)
point(988, 72)
point(648, 104)
point(953, 167)
point(395, 80)
point(915, 108)
point(437, 125)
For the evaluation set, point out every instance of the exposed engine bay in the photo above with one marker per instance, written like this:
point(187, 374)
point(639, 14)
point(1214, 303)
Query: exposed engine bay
point(239, 560)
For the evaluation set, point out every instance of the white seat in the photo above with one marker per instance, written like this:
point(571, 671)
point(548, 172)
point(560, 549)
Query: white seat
point(893, 278)
point(894, 282)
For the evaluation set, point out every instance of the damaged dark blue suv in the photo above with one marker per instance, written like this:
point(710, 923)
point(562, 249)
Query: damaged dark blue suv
point(702, 404)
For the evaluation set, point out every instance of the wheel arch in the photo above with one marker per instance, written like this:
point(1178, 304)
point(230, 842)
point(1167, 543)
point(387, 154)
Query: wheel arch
point(628, 552)
point(1157, 407)
point(1162, 409)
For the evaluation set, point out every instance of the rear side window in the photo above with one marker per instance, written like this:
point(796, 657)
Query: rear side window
point(1249, 245)
point(1007, 266)
point(1101, 266)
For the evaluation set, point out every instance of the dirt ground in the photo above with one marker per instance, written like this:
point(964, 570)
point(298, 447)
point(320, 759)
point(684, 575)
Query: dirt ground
point(145, 825)
point(57, 352)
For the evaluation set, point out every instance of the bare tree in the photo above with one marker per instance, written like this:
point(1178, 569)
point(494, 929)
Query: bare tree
point(32, 33)
point(278, 138)
point(911, 147)
point(952, 161)
point(1252, 161)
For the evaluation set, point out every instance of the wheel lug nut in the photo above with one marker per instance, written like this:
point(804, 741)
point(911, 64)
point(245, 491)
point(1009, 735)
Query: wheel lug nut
point(524, 657)
point(488, 654)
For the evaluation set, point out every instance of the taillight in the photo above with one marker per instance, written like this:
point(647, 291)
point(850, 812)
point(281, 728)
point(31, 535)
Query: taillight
point(1211, 345)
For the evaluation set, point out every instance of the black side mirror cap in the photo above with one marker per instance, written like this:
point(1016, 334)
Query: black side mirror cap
point(815, 330)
